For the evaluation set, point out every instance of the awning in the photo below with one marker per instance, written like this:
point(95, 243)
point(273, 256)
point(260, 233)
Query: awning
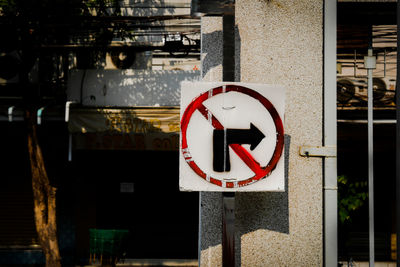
point(132, 120)
point(145, 128)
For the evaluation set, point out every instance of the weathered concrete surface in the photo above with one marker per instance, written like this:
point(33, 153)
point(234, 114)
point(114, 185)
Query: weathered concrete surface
point(211, 202)
point(278, 42)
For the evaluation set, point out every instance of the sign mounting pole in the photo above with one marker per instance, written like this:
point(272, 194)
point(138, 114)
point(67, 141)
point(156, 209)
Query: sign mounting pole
point(228, 198)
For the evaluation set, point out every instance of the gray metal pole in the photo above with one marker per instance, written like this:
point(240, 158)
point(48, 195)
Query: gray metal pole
point(330, 136)
point(228, 198)
point(228, 57)
point(199, 233)
point(370, 66)
point(228, 230)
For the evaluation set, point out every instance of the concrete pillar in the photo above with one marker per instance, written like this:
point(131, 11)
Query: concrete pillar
point(277, 42)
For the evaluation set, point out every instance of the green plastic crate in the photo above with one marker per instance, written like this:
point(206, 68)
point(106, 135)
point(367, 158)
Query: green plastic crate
point(108, 242)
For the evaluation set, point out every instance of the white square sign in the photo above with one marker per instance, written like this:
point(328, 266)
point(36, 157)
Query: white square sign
point(232, 137)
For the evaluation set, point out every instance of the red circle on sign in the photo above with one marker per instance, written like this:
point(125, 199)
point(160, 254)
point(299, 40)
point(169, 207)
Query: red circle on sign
point(259, 172)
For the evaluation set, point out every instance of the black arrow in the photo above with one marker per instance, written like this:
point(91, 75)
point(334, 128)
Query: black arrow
point(225, 137)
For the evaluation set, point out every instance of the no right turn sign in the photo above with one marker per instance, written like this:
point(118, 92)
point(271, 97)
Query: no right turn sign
point(232, 137)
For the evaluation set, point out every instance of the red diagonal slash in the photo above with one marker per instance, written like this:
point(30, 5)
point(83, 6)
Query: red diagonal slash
point(247, 158)
point(260, 172)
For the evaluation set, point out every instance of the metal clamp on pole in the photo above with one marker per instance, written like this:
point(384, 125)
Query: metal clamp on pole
point(318, 151)
point(370, 60)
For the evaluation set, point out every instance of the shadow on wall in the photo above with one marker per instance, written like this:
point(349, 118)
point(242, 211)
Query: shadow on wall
point(263, 210)
point(213, 53)
point(151, 8)
point(275, 206)
point(254, 211)
point(127, 88)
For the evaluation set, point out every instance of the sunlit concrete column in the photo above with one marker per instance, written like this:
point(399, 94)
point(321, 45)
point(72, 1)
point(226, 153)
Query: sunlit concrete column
point(277, 42)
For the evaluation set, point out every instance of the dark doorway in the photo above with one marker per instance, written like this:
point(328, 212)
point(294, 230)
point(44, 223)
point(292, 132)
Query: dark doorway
point(138, 191)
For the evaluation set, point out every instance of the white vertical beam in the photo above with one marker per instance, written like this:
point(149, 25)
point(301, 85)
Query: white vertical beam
point(371, 173)
point(369, 64)
point(330, 135)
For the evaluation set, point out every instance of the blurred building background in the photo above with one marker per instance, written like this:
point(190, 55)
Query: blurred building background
point(108, 118)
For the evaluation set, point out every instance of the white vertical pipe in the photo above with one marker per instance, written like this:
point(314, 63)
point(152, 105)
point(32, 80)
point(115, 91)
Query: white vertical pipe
point(330, 136)
point(370, 164)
